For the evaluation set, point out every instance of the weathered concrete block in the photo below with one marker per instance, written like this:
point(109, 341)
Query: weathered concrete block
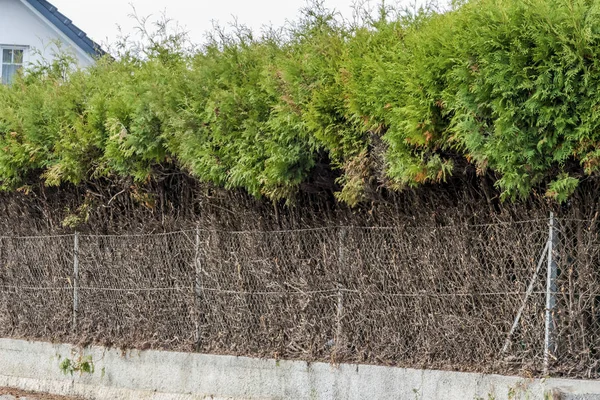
point(140, 375)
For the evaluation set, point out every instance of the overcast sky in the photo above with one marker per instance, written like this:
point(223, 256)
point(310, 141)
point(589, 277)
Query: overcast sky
point(99, 19)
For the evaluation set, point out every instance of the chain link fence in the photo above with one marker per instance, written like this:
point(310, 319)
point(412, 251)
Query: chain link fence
point(463, 297)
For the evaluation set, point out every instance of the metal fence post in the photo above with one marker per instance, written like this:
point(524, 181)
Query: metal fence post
point(528, 293)
point(549, 341)
point(75, 280)
point(198, 284)
point(342, 236)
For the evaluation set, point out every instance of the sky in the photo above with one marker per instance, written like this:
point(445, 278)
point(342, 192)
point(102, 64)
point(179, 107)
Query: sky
point(101, 19)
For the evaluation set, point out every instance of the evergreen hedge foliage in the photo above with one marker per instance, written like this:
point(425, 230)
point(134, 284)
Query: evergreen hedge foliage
point(509, 86)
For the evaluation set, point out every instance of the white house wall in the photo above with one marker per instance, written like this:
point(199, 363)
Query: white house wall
point(21, 25)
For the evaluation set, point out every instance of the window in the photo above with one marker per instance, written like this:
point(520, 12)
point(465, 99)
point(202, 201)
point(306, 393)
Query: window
point(12, 62)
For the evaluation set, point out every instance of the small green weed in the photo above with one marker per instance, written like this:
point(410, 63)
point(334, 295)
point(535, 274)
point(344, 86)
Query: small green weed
point(81, 365)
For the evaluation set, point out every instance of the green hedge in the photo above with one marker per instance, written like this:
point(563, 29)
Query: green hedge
point(510, 86)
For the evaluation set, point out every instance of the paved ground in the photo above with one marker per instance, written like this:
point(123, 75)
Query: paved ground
point(13, 394)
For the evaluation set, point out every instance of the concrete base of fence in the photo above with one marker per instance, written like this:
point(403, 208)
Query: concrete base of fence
point(125, 375)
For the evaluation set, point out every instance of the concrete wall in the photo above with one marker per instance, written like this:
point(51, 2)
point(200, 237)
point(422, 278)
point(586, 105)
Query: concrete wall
point(156, 375)
point(22, 25)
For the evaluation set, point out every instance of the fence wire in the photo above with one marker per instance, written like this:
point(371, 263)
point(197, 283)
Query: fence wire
point(426, 297)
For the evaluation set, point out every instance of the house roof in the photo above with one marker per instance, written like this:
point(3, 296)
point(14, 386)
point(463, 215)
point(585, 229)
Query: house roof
point(66, 26)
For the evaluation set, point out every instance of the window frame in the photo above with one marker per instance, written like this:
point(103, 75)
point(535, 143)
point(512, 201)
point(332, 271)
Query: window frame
point(3, 47)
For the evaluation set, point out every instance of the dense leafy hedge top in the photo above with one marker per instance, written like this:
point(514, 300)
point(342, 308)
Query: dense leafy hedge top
point(511, 86)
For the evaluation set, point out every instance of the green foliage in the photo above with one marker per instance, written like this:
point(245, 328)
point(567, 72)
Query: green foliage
point(516, 85)
point(81, 365)
point(510, 86)
point(562, 188)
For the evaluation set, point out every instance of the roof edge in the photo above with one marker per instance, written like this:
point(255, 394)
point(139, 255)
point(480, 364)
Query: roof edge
point(64, 25)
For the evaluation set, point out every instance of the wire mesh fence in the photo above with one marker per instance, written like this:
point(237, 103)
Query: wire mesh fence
point(578, 299)
point(465, 297)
